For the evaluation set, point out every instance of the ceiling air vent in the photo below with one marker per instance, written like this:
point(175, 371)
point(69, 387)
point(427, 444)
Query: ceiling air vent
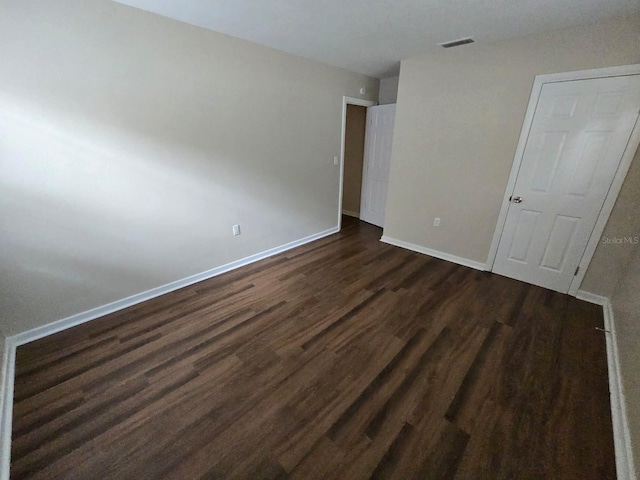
point(455, 43)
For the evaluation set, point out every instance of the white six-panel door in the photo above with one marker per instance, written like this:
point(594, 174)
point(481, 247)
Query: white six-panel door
point(377, 159)
point(577, 138)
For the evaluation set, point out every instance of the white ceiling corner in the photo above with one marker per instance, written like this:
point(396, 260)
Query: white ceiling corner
point(372, 36)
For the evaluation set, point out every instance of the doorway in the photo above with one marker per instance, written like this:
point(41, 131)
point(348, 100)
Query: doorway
point(353, 159)
point(351, 205)
point(579, 134)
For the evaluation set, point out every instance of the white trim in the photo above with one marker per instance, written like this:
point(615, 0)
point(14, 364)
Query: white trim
point(621, 436)
point(513, 176)
point(12, 342)
point(347, 101)
point(6, 403)
point(610, 199)
point(592, 298)
point(433, 253)
point(616, 71)
point(73, 320)
point(607, 208)
point(349, 213)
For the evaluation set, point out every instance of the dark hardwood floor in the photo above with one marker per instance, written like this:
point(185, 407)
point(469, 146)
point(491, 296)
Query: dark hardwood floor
point(343, 359)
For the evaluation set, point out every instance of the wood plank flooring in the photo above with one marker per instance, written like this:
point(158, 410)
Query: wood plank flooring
point(343, 359)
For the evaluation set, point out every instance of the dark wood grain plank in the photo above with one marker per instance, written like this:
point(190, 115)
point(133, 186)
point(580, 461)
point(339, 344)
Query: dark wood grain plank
point(344, 358)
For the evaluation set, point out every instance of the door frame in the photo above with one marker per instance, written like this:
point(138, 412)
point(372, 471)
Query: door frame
point(618, 179)
point(347, 101)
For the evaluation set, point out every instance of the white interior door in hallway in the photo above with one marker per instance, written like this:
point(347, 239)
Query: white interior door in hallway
point(377, 159)
point(578, 135)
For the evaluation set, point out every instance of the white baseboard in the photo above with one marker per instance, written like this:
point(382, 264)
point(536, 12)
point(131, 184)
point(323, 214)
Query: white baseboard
point(73, 320)
point(349, 213)
point(434, 253)
point(592, 298)
point(12, 342)
point(621, 436)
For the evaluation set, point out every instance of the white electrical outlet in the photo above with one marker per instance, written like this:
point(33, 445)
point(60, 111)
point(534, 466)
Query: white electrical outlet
point(436, 222)
point(236, 229)
point(335, 160)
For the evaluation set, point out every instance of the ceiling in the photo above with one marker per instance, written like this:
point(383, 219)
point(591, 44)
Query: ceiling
point(372, 36)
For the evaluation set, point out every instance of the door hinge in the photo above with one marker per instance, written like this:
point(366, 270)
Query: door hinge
point(577, 270)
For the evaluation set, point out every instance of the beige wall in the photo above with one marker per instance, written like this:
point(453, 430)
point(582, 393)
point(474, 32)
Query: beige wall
point(615, 273)
point(458, 119)
point(132, 143)
point(626, 308)
point(353, 158)
point(611, 258)
point(388, 90)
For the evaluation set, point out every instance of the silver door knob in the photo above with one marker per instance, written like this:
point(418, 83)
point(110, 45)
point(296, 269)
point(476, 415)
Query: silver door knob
point(516, 199)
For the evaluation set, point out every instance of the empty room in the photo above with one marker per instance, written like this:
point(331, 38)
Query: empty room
point(319, 240)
